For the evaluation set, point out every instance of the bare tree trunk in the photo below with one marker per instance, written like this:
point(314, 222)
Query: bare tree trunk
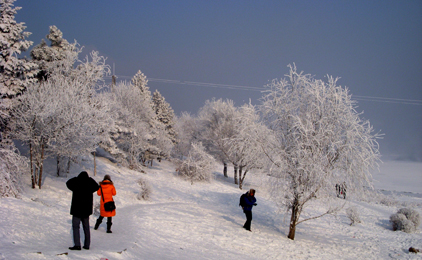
point(225, 170)
point(294, 218)
point(240, 173)
point(143, 160)
point(58, 166)
point(68, 165)
point(235, 174)
point(95, 166)
point(241, 180)
point(32, 168)
point(41, 166)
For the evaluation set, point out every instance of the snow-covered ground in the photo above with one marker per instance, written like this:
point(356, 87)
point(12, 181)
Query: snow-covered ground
point(203, 221)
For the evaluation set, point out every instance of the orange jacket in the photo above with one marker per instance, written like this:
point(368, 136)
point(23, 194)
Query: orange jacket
point(109, 191)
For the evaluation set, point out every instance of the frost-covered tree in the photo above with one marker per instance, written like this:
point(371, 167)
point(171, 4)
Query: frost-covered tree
point(158, 144)
point(164, 114)
point(198, 166)
point(217, 122)
point(188, 132)
point(16, 73)
point(130, 137)
point(141, 81)
point(246, 143)
point(48, 57)
point(63, 116)
point(137, 128)
point(62, 58)
point(318, 139)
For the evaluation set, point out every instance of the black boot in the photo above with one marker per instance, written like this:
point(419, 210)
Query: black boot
point(75, 248)
point(108, 227)
point(97, 224)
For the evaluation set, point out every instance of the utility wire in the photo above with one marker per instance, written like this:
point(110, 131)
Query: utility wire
point(248, 88)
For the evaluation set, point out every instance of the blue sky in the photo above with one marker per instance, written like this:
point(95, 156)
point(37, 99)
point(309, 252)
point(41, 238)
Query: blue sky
point(375, 47)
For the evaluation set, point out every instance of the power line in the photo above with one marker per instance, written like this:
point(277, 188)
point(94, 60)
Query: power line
point(389, 100)
point(248, 88)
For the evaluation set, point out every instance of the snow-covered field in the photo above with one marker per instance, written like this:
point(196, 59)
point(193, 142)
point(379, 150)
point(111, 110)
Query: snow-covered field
point(203, 221)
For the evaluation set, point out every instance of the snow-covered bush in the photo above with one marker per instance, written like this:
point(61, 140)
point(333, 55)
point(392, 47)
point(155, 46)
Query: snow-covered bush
point(387, 201)
point(405, 219)
point(198, 166)
point(12, 166)
point(145, 190)
point(353, 214)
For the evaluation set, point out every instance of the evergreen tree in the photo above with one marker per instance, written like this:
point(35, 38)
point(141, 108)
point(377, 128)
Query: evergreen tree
point(165, 114)
point(15, 76)
point(141, 81)
point(15, 72)
point(48, 57)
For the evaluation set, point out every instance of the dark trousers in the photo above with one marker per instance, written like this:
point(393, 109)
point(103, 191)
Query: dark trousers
point(76, 235)
point(248, 214)
point(100, 219)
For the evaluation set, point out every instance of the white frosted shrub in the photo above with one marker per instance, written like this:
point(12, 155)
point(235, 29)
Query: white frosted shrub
point(388, 201)
point(405, 219)
point(12, 167)
point(353, 214)
point(144, 191)
point(411, 215)
point(198, 166)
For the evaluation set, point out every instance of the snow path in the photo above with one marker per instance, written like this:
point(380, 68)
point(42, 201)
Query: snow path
point(184, 221)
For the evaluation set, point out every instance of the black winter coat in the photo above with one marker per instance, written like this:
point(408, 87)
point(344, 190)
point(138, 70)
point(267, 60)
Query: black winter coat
point(82, 188)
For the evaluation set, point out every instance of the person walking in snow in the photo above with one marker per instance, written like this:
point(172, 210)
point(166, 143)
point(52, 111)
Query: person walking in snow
point(82, 188)
point(249, 201)
point(106, 192)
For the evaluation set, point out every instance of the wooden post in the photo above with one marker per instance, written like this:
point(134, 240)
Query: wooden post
point(95, 166)
point(113, 80)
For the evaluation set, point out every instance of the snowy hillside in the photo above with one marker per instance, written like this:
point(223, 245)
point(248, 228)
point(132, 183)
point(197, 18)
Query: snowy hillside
point(203, 221)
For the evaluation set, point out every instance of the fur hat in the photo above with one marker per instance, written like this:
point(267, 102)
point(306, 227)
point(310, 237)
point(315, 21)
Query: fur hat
point(107, 177)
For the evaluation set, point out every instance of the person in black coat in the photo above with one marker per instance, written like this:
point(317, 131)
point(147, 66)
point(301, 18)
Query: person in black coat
point(82, 188)
point(248, 202)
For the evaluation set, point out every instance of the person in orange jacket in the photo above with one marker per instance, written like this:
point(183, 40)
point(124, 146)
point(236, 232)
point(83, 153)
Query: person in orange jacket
point(108, 190)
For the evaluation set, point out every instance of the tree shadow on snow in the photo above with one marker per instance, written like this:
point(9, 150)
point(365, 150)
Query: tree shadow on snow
point(229, 181)
point(384, 223)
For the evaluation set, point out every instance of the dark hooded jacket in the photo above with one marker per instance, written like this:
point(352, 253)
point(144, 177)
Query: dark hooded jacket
point(249, 202)
point(82, 188)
